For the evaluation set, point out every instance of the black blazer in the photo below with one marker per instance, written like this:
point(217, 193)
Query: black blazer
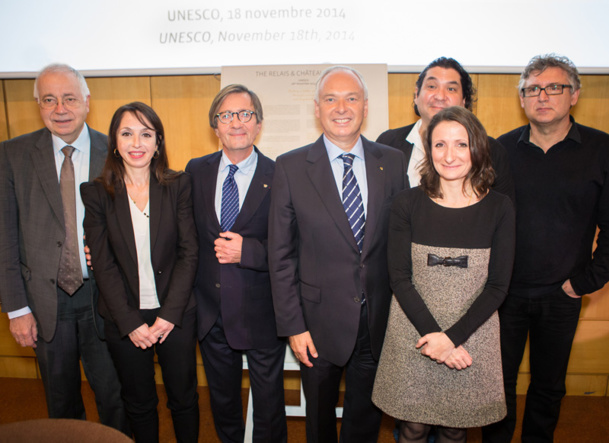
point(317, 271)
point(504, 183)
point(241, 292)
point(173, 244)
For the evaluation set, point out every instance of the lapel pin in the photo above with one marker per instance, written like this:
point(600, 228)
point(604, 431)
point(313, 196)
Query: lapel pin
point(381, 168)
point(265, 185)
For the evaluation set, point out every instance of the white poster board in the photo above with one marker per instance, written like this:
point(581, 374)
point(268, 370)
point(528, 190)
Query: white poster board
point(287, 93)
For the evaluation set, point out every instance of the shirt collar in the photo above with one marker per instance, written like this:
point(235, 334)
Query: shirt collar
point(573, 133)
point(335, 152)
point(414, 137)
point(82, 143)
point(244, 166)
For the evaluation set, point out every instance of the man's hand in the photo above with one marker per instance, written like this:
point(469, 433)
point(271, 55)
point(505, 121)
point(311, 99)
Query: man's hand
point(24, 330)
point(436, 346)
point(459, 359)
point(161, 329)
point(566, 286)
point(228, 247)
point(300, 344)
point(142, 337)
point(88, 256)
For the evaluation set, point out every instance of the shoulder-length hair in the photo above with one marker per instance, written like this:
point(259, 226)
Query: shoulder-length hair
point(113, 174)
point(481, 175)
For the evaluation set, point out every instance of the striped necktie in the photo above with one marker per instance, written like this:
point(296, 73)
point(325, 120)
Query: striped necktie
point(352, 201)
point(230, 200)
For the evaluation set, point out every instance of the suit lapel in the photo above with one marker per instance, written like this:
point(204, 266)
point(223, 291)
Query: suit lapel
point(322, 178)
point(375, 175)
point(123, 215)
point(207, 182)
point(43, 159)
point(97, 156)
point(155, 197)
point(259, 188)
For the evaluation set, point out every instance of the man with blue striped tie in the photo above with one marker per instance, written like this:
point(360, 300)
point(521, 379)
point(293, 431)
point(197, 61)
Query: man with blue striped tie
point(328, 257)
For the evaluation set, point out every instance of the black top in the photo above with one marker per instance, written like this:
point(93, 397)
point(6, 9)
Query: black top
point(487, 224)
point(504, 184)
point(561, 197)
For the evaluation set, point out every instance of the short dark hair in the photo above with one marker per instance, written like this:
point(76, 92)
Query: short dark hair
point(481, 175)
point(112, 176)
point(467, 86)
point(225, 92)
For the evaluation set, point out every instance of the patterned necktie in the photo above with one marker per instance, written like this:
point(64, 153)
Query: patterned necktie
point(230, 200)
point(352, 201)
point(69, 277)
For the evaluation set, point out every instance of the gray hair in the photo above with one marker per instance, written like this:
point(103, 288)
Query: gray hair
point(540, 63)
point(342, 68)
point(65, 69)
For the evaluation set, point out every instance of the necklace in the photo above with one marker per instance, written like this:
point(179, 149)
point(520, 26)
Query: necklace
point(143, 212)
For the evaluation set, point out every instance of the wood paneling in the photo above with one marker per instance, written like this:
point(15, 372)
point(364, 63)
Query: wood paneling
point(401, 96)
point(21, 367)
point(3, 122)
point(22, 111)
point(183, 105)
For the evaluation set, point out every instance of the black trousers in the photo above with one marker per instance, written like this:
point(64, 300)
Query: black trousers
point(361, 418)
point(135, 368)
point(223, 369)
point(77, 338)
point(550, 322)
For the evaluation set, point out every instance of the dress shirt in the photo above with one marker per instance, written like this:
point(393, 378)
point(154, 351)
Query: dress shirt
point(141, 232)
point(417, 156)
point(243, 178)
point(359, 167)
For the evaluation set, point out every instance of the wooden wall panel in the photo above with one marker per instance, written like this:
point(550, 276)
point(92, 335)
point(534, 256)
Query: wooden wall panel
point(22, 111)
point(577, 384)
point(401, 96)
point(110, 93)
point(592, 108)
point(19, 367)
point(183, 105)
point(3, 122)
point(498, 106)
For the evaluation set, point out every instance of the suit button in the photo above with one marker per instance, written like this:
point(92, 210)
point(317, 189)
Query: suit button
point(52, 281)
point(217, 285)
point(362, 266)
point(159, 272)
point(357, 300)
point(59, 244)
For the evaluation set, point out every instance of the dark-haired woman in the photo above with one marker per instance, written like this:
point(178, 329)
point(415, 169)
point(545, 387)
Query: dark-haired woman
point(451, 248)
point(139, 226)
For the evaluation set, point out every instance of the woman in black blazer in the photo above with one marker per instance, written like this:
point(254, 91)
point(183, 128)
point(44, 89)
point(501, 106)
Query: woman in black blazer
point(139, 226)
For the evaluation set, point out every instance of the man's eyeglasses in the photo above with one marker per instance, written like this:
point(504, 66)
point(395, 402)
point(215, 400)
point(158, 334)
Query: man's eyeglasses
point(535, 91)
point(227, 117)
point(52, 102)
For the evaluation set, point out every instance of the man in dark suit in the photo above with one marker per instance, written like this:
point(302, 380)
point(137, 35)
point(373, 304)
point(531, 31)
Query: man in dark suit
point(328, 257)
point(231, 194)
point(443, 83)
point(45, 286)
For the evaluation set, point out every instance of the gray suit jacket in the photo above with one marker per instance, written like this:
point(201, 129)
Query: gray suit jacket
point(31, 224)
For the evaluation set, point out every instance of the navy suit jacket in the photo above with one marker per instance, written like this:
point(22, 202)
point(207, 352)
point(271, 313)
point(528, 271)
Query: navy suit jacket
point(317, 271)
point(241, 292)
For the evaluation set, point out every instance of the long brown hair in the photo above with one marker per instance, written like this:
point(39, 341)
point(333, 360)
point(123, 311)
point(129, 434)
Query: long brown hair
point(113, 174)
point(481, 175)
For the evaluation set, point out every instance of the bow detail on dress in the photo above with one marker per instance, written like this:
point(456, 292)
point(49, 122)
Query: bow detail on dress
point(434, 260)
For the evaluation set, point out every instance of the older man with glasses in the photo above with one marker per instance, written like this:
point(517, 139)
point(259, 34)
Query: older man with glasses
point(561, 174)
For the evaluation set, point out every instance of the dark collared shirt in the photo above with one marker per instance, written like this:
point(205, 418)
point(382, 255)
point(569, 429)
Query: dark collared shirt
point(561, 197)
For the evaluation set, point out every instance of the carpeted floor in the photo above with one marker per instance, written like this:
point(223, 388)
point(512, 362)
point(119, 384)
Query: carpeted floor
point(583, 419)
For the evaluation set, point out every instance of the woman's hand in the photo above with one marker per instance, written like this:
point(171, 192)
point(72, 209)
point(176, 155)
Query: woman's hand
point(459, 359)
point(143, 337)
point(161, 329)
point(436, 346)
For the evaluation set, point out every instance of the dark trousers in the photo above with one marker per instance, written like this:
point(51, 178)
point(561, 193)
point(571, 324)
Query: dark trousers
point(550, 321)
point(135, 368)
point(77, 338)
point(223, 369)
point(361, 418)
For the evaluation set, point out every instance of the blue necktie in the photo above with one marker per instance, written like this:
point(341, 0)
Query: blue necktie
point(230, 200)
point(352, 201)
